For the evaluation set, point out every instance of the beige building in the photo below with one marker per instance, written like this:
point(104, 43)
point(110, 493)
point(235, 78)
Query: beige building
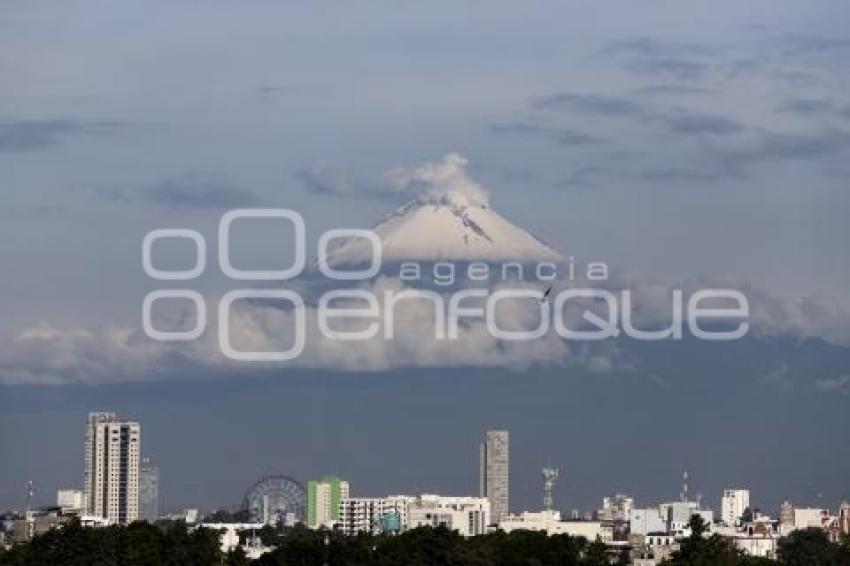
point(112, 467)
point(551, 522)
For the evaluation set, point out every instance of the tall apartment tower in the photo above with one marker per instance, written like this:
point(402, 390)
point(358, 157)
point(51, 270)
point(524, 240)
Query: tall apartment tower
point(323, 498)
point(733, 504)
point(148, 490)
point(112, 467)
point(494, 473)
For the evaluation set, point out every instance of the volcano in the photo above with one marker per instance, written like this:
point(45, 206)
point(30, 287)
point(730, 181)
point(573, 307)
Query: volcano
point(445, 227)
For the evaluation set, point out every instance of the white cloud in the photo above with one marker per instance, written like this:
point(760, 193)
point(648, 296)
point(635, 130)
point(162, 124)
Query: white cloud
point(442, 181)
point(45, 354)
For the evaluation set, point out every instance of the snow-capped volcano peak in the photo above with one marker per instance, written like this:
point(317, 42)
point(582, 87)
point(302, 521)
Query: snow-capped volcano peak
point(449, 220)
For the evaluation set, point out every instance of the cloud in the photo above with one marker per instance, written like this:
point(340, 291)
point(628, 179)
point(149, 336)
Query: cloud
point(680, 174)
point(650, 56)
point(805, 45)
point(677, 68)
point(583, 177)
point(190, 190)
point(840, 384)
point(780, 146)
point(590, 104)
point(661, 90)
point(34, 135)
point(815, 107)
point(444, 180)
point(650, 47)
point(807, 106)
point(562, 136)
point(689, 123)
point(324, 178)
point(45, 354)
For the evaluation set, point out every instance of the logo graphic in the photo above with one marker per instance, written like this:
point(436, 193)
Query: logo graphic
point(604, 314)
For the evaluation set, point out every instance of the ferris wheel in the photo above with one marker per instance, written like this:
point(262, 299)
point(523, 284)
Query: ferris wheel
point(276, 499)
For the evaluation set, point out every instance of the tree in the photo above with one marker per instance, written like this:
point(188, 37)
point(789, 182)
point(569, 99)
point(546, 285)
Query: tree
point(699, 550)
point(808, 546)
point(596, 554)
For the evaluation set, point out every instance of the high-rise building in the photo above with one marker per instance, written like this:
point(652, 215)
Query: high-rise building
point(323, 497)
point(148, 490)
point(494, 473)
point(733, 505)
point(112, 467)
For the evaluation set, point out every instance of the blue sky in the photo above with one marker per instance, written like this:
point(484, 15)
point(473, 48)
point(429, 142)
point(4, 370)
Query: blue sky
point(666, 139)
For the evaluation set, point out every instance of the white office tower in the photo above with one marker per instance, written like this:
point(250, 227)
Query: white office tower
point(733, 505)
point(494, 473)
point(112, 468)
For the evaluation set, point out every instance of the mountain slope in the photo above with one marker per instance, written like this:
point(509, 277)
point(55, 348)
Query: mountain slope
point(446, 229)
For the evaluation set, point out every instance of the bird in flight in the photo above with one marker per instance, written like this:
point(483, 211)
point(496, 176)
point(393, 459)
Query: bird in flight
point(546, 294)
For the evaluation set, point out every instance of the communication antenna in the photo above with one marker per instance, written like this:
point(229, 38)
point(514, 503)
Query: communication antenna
point(550, 474)
point(684, 493)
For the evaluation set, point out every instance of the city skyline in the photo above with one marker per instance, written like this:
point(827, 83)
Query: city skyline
point(120, 438)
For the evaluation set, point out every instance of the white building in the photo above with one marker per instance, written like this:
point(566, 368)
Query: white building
point(494, 472)
point(71, 500)
point(616, 508)
point(469, 516)
point(647, 520)
point(668, 518)
point(364, 514)
point(229, 532)
point(551, 522)
point(806, 517)
point(112, 467)
point(733, 504)
point(679, 513)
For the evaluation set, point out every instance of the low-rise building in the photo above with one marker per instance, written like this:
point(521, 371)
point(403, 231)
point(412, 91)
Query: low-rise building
point(469, 516)
point(553, 524)
point(617, 508)
point(71, 500)
point(370, 514)
point(229, 532)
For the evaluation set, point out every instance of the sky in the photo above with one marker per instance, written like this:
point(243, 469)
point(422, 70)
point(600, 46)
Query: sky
point(677, 143)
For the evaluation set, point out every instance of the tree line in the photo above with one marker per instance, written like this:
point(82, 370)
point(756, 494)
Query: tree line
point(172, 543)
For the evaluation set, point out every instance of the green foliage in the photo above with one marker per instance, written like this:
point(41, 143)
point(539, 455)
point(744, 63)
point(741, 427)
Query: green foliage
point(138, 544)
point(699, 550)
point(225, 516)
point(811, 546)
point(172, 544)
